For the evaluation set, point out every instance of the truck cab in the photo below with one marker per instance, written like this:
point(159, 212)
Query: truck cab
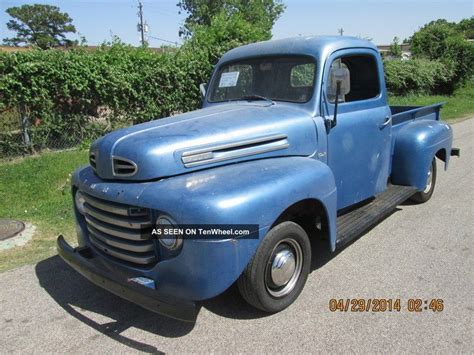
point(308, 83)
point(294, 136)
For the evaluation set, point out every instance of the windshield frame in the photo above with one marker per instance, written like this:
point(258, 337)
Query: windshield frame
point(215, 75)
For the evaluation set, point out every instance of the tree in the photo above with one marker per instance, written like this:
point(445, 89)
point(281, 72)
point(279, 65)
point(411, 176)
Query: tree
point(395, 48)
point(430, 40)
point(447, 42)
point(222, 34)
point(460, 56)
point(262, 13)
point(39, 25)
point(466, 27)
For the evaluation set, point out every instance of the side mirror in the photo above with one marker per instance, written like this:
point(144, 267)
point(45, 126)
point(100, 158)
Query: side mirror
point(203, 88)
point(342, 76)
point(331, 123)
point(339, 86)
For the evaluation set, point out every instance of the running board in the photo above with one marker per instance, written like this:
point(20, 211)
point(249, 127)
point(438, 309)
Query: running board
point(353, 223)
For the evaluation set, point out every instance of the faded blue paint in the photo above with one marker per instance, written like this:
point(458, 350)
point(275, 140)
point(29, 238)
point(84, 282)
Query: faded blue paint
point(264, 189)
point(339, 167)
point(416, 144)
point(358, 148)
point(158, 145)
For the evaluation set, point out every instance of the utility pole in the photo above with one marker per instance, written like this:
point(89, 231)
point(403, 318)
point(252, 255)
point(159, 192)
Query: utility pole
point(341, 31)
point(141, 26)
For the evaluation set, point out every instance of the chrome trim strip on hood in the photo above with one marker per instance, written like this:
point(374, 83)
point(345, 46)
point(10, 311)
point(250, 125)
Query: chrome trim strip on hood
point(234, 150)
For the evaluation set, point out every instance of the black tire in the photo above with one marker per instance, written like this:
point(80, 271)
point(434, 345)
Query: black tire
point(425, 195)
point(256, 284)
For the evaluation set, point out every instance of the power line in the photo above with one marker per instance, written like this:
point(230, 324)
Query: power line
point(161, 10)
point(164, 40)
point(143, 28)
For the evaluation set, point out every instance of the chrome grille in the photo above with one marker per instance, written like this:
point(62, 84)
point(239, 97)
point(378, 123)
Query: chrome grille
point(123, 167)
point(120, 230)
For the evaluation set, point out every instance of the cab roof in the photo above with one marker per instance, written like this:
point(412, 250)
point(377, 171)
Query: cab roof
point(314, 46)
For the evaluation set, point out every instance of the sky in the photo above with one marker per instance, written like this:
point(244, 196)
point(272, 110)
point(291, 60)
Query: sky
point(380, 20)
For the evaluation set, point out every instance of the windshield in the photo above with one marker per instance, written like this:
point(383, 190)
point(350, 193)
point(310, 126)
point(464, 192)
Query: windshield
point(289, 78)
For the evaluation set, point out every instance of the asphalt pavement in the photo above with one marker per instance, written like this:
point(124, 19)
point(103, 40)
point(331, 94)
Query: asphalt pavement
point(419, 252)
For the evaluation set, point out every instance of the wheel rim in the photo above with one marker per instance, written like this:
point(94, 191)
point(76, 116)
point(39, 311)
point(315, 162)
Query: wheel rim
point(283, 268)
point(429, 181)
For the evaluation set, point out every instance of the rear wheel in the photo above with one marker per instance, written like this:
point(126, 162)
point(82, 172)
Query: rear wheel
point(425, 195)
point(277, 273)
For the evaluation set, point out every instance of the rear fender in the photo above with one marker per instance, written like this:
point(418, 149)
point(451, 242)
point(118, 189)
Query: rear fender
point(416, 144)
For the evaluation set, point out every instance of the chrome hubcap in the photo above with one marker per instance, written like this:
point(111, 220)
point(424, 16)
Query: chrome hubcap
point(283, 268)
point(429, 181)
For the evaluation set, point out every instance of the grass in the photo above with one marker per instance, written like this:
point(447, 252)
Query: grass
point(37, 190)
point(459, 105)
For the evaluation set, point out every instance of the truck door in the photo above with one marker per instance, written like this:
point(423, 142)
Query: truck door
point(359, 145)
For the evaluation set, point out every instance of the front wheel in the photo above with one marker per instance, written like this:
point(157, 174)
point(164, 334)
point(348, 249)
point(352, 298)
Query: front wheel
point(277, 273)
point(425, 195)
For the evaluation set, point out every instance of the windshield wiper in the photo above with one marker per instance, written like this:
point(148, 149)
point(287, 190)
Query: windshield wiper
point(255, 97)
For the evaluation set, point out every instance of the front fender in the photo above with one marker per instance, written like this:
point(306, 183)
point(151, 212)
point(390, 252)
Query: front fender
point(254, 192)
point(416, 145)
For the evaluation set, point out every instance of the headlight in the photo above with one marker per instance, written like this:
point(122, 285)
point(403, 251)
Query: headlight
point(79, 200)
point(172, 242)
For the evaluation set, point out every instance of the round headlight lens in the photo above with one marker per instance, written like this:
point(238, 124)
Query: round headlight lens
point(173, 241)
point(79, 200)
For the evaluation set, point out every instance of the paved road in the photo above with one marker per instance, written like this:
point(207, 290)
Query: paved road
point(420, 251)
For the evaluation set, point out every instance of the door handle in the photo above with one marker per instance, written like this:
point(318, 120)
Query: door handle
point(388, 119)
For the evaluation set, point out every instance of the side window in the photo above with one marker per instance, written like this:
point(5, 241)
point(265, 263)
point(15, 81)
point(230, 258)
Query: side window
point(364, 80)
point(302, 75)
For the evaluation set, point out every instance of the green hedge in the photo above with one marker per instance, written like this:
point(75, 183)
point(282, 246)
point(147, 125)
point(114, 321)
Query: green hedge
point(65, 92)
point(418, 76)
point(76, 95)
point(129, 83)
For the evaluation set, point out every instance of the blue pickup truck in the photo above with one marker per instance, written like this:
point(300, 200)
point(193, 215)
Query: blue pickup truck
point(295, 137)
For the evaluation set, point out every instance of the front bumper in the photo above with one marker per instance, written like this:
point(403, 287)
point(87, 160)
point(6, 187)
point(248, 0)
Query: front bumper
point(81, 259)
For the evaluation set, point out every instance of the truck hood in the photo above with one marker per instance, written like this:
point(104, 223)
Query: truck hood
point(203, 138)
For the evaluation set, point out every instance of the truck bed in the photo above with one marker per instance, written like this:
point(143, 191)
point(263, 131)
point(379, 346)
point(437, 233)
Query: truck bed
point(402, 114)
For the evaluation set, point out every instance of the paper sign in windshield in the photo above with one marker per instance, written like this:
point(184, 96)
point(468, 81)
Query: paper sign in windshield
point(229, 79)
